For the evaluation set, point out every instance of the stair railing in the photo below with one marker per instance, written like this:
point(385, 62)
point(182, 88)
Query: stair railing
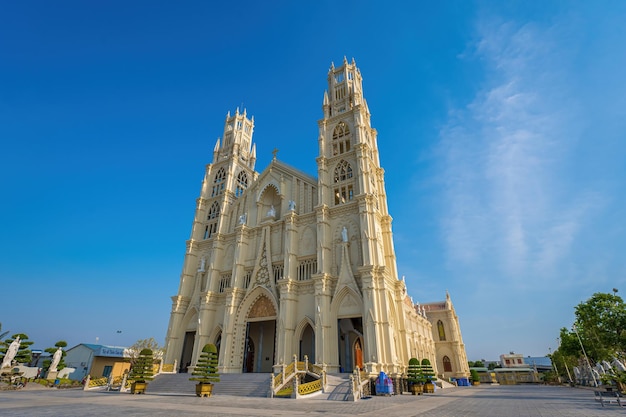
point(292, 373)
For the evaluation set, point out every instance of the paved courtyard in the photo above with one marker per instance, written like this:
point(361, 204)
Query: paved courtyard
point(483, 401)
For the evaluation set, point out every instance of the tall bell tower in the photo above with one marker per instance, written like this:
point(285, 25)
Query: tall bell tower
point(352, 189)
point(225, 180)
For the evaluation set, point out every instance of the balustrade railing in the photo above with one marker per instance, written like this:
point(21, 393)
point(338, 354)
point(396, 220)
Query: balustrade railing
point(280, 383)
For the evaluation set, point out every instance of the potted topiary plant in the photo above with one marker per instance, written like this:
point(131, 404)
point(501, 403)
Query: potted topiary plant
point(415, 377)
point(429, 374)
point(475, 377)
point(205, 371)
point(141, 372)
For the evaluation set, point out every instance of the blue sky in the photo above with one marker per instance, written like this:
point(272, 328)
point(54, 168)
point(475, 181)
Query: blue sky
point(501, 131)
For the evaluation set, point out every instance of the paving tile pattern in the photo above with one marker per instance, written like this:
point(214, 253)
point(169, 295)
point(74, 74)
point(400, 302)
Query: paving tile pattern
point(483, 401)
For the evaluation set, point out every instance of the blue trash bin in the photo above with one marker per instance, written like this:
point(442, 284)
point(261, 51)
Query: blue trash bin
point(384, 384)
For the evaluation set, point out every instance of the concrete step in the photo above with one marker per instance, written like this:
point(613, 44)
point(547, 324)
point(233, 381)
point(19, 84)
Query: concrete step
point(243, 385)
point(337, 388)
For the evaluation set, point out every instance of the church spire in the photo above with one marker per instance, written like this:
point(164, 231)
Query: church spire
point(345, 88)
point(237, 138)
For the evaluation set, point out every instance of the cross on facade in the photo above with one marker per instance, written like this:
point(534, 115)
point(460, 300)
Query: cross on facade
point(274, 152)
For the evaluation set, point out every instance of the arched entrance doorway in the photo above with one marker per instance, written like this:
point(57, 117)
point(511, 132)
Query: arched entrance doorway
point(260, 337)
point(350, 332)
point(187, 351)
point(307, 343)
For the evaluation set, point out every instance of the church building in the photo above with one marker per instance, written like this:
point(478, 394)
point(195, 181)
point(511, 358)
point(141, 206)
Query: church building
point(280, 263)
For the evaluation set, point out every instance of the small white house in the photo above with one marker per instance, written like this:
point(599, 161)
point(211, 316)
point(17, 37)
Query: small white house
point(97, 361)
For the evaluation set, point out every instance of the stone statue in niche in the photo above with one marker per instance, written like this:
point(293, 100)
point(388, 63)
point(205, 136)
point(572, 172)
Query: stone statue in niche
point(344, 234)
point(242, 218)
point(271, 212)
point(202, 264)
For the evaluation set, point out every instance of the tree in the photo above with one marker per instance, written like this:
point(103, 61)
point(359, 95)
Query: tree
point(427, 370)
point(414, 372)
point(205, 370)
point(601, 325)
point(23, 354)
point(142, 344)
point(142, 370)
point(474, 375)
point(51, 350)
point(567, 356)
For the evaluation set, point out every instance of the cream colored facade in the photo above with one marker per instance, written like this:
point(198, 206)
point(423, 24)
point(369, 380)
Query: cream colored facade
point(280, 263)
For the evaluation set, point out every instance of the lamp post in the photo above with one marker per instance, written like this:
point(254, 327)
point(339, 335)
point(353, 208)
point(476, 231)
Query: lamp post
point(595, 383)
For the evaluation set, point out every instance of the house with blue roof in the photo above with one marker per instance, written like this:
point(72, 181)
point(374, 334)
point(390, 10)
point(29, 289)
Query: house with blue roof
point(97, 361)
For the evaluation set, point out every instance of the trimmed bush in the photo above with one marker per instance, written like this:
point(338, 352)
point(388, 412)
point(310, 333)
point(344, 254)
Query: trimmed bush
point(474, 375)
point(427, 370)
point(205, 370)
point(143, 369)
point(414, 373)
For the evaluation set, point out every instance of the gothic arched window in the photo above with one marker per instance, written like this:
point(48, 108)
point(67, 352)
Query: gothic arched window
point(212, 217)
point(341, 139)
point(242, 183)
point(447, 365)
point(442, 331)
point(214, 211)
point(344, 190)
point(219, 182)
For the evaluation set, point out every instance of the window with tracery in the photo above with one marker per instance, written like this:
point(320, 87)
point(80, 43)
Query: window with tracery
point(344, 187)
point(246, 278)
point(219, 183)
point(341, 139)
point(242, 183)
point(279, 270)
point(214, 213)
point(442, 331)
point(224, 282)
point(306, 269)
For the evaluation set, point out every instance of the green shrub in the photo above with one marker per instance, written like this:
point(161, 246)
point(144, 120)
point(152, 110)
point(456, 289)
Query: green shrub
point(205, 370)
point(474, 375)
point(143, 369)
point(428, 371)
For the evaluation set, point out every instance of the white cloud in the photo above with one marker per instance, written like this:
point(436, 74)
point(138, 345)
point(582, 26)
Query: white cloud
point(508, 210)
